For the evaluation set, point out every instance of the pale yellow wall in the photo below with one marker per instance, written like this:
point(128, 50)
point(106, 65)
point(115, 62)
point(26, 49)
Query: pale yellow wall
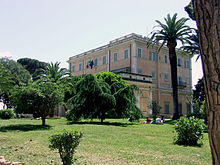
point(147, 66)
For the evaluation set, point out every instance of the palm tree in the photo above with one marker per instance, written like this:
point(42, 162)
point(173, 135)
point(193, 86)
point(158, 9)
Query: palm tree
point(169, 33)
point(53, 72)
point(191, 47)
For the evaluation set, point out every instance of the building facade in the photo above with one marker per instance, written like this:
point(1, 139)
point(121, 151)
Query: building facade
point(129, 54)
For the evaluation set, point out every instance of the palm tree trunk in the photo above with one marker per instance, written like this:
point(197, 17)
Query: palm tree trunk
point(207, 13)
point(173, 67)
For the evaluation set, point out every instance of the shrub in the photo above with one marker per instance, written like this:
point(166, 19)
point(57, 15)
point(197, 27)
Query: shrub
point(66, 143)
point(198, 110)
point(71, 116)
point(7, 114)
point(189, 131)
point(68, 115)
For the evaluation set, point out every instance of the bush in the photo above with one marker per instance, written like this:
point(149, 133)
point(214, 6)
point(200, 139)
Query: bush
point(66, 143)
point(7, 114)
point(71, 116)
point(189, 131)
point(198, 110)
point(68, 115)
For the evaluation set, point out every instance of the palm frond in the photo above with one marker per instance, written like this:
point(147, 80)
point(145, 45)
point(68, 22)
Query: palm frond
point(172, 30)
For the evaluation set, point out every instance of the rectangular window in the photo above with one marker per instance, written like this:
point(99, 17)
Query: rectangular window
point(187, 64)
point(96, 62)
point(139, 52)
point(180, 80)
point(153, 74)
point(153, 56)
point(103, 60)
point(139, 71)
point(166, 77)
point(179, 62)
point(165, 58)
point(187, 80)
point(126, 54)
point(73, 68)
point(115, 56)
point(180, 109)
point(80, 66)
point(167, 108)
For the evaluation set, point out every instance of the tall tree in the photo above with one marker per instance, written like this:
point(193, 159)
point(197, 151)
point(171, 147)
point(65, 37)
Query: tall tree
point(207, 14)
point(199, 91)
point(5, 79)
point(169, 33)
point(190, 11)
point(6, 83)
point(19, 75)
point(32, 64)
point(53, 73)
point(192, 45)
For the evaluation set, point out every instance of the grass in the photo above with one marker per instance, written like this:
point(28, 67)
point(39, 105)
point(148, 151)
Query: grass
point(114, 142)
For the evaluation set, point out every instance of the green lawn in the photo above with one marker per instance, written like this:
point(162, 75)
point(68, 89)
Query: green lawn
point(116, 142)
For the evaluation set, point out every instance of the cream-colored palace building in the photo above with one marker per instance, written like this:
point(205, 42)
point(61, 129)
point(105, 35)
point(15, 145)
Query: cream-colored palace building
point(130, 57)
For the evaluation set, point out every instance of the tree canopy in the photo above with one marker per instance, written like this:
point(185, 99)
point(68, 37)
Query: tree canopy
point(5, 79)
point(37, 98)
point(103, 95)
point(32, 65)
point(53, 72)
point(12, 74)
point(20, 74)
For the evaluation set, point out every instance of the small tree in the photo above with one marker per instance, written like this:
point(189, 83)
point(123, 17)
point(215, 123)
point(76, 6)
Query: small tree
point(66, 143)
point(101, 96)
point(124, 95)
point(92, 98)
point(37, 98)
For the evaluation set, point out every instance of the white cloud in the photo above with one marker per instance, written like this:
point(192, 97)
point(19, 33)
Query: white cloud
point(6, 54)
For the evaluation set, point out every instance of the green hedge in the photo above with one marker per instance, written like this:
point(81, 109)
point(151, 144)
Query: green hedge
point(6, 114)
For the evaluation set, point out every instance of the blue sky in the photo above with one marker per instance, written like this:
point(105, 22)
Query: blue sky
point(54, 30)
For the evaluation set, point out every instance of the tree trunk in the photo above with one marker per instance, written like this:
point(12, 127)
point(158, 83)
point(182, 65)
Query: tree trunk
point(43, 121)
point(173, 67)
point(207, 13)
